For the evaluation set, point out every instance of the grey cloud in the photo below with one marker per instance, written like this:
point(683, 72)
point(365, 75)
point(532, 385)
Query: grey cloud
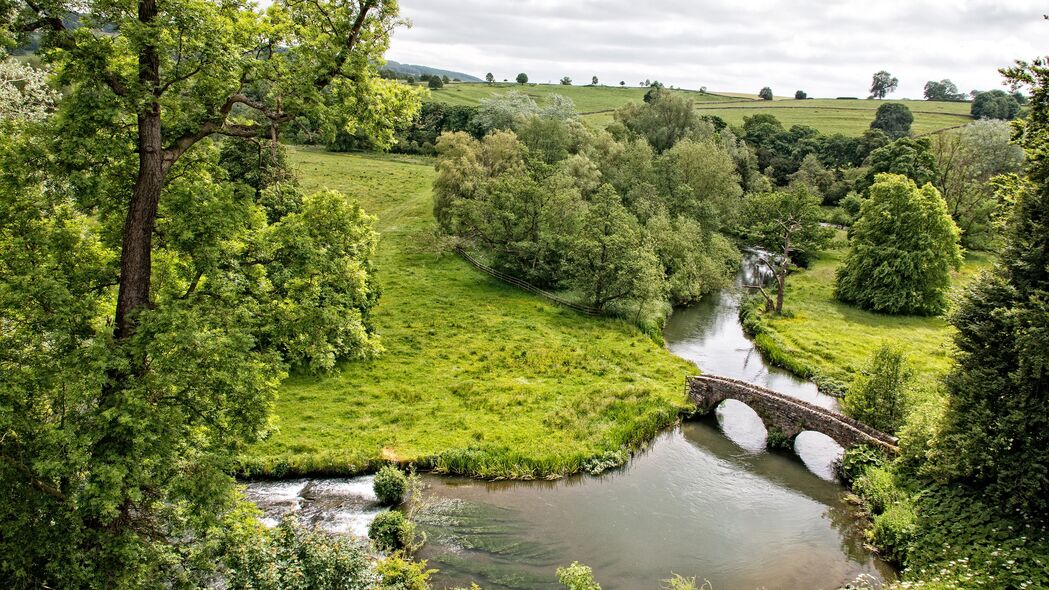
point(828, 47)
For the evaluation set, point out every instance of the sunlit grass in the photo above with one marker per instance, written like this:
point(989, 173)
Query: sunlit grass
point(477, 377)
point(587, 99)
point(835, 339)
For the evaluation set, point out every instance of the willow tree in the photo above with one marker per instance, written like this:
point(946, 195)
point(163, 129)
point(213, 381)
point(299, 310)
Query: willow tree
point(150, 306)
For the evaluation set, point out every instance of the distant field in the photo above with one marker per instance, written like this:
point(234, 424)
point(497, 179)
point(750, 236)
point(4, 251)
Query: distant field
point(829, 115)
point(587, 98)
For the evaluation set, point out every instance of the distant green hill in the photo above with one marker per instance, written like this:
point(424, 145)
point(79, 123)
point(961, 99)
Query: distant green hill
point(414, 70)
point(596, 104)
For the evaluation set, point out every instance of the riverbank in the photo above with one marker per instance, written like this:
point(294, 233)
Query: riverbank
point(477, 377)
point(822, 339)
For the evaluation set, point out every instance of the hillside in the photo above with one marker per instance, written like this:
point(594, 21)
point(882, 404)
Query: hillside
point(416, 70)
point(850, 117)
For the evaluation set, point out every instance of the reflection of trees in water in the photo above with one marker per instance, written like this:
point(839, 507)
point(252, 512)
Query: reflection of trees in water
point(851, 521)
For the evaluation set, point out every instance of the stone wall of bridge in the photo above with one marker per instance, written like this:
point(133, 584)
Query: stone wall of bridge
point(784, 414)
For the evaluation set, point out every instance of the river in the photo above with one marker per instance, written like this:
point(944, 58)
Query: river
point(704, 499)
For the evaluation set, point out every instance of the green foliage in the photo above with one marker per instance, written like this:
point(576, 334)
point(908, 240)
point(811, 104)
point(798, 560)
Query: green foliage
point(995, 431)
point(903, 248)
point(577, 577)
point(893, 531)
point(566, 81)
point(942, 90)
point(967, 163)
point(765, 93)
point(882, 84)
point(784, 223)
point(522, 78)
point(894, 119)
point(800, 95)
point(390, 485)
point(995, 104)
point(397, 573)
point(291, 557)
point(664, 120)
point(391, 531)
point(877, 487)
point(857, 461)
point(435, 83)
point(911, 157)
point(879, 396)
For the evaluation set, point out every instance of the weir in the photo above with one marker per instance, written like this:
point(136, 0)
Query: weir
point(786, 415)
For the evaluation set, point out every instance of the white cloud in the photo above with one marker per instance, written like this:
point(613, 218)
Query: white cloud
point(826, 47)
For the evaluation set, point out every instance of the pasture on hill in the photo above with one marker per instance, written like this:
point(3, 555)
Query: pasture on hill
point(850, 117)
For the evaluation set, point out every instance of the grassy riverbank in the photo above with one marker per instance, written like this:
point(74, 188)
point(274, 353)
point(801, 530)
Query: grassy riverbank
point(830, 341)
point(477, 377)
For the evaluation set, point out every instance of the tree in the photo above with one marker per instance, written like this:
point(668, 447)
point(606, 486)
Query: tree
point(909, 156)
point(593, 81)
point(607, 259)
point(783, 223)
point(489, 78)
point(966, 163)
point(566, 81)
point(765, 94)
point(435, 83)
point(882, 84)
point(995, 434)
point(995, 104)
point(522, 78)
point(944, 90)
point(699, 179)
point(800, 95)
point(664, 120)
point(128, 390)
point(879, 397)
point(902, 249)
point(445, 79)
point(894, 119)
point(24, 92)
point(622, 83)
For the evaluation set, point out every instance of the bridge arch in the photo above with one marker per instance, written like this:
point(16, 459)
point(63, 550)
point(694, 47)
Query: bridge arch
point(785, 417)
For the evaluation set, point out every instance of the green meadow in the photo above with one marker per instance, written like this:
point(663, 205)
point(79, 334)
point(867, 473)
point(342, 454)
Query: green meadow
point(821, 335)
point(587, 99)
point(477, 377)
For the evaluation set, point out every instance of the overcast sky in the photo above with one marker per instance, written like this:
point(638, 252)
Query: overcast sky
point(825, 47)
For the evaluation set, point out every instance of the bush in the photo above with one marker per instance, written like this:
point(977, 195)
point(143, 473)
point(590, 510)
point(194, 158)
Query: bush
point(291, 557)
point(857, 461)
point(397, 573)
point(877, 487)
point(391, 531)
point(390, 485)
point(577, 577)
point(879, 397)
point(893, 530)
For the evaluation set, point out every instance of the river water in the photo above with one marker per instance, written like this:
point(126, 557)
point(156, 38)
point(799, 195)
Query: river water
point(704, 499)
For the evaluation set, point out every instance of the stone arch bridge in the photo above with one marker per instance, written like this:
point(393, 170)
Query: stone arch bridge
point(784, 414)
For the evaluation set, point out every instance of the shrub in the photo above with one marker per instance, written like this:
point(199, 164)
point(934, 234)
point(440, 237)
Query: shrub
point(397, 573)
point(879, 396)
point(877, 487)
point(390, 485)
point(391, 531)
point(679, 582)
point(577, 577)
point(857, 461)
point(292, 557)
point(893, 530)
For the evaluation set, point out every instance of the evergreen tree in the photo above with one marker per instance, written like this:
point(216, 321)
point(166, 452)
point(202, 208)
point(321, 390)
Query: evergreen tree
point(996, 431)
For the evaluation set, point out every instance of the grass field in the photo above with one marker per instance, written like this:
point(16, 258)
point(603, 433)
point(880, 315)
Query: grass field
point(836, 339)
point(851, 117)
point(587, 99)
point(477, 377)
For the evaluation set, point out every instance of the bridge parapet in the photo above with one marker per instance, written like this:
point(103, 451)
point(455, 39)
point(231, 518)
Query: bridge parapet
point(784, 414)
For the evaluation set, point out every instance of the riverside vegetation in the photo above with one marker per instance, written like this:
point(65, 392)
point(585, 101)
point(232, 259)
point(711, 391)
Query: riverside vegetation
point(164, 272)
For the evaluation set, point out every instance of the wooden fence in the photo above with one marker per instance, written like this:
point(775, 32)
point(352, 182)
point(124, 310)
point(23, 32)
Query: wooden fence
point(521, 284)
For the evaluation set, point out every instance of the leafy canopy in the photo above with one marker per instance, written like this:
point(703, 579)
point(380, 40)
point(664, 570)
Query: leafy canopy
point(902, 250)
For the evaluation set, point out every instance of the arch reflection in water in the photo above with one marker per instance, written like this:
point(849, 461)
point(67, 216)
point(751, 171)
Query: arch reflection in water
point(742, 425)
point(819, 452)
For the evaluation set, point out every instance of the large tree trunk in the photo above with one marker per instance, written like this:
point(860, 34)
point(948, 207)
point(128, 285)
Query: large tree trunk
point(136, 250)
